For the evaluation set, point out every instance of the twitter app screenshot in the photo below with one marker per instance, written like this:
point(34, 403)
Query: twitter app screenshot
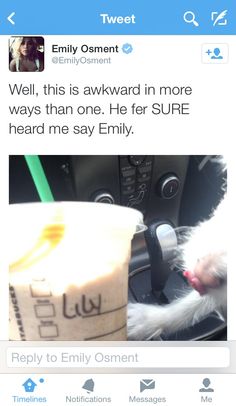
point(117, 202)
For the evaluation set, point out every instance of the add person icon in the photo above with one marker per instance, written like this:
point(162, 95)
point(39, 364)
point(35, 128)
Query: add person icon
point(206, 383)
point(216, 54)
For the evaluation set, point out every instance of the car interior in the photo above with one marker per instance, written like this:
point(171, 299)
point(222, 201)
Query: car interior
point(173, 192)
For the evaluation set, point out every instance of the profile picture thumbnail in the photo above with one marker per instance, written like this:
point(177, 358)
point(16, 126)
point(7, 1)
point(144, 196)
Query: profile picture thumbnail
point(26, 54)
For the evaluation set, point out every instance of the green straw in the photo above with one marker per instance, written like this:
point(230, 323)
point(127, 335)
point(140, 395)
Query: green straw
point(39, 178)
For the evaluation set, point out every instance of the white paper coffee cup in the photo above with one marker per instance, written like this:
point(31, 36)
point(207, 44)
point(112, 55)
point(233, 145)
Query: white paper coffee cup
point(69, 270)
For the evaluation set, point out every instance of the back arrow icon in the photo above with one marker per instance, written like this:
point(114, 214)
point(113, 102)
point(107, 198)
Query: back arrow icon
point(10, 18)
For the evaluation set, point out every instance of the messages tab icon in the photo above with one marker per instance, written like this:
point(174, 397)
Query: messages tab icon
point(147, 384)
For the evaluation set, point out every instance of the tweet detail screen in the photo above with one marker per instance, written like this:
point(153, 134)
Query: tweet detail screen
point(117, 168)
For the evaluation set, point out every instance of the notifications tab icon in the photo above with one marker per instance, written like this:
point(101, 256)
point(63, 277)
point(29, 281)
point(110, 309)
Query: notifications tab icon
point(147, 384)
point(88, 385)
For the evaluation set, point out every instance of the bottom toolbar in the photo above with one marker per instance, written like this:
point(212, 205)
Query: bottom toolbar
point(117, 389)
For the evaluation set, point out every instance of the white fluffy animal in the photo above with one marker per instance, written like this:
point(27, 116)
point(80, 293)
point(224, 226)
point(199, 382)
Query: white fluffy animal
point(205, 264)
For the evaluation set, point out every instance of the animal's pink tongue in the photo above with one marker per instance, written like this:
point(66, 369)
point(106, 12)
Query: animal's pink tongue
point(195, 282)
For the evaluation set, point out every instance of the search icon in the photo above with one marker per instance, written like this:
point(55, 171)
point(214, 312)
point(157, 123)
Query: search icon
point(189, 17)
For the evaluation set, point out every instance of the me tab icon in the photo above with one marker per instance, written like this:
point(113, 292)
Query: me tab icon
point(206, 383)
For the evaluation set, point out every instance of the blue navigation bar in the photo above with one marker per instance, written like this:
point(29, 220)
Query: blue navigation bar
point(118, 17)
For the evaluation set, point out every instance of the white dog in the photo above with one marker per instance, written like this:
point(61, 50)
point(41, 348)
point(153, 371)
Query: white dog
point(205, 267)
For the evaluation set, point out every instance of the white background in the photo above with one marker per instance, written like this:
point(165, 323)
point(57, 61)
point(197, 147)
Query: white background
point(163, 60)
